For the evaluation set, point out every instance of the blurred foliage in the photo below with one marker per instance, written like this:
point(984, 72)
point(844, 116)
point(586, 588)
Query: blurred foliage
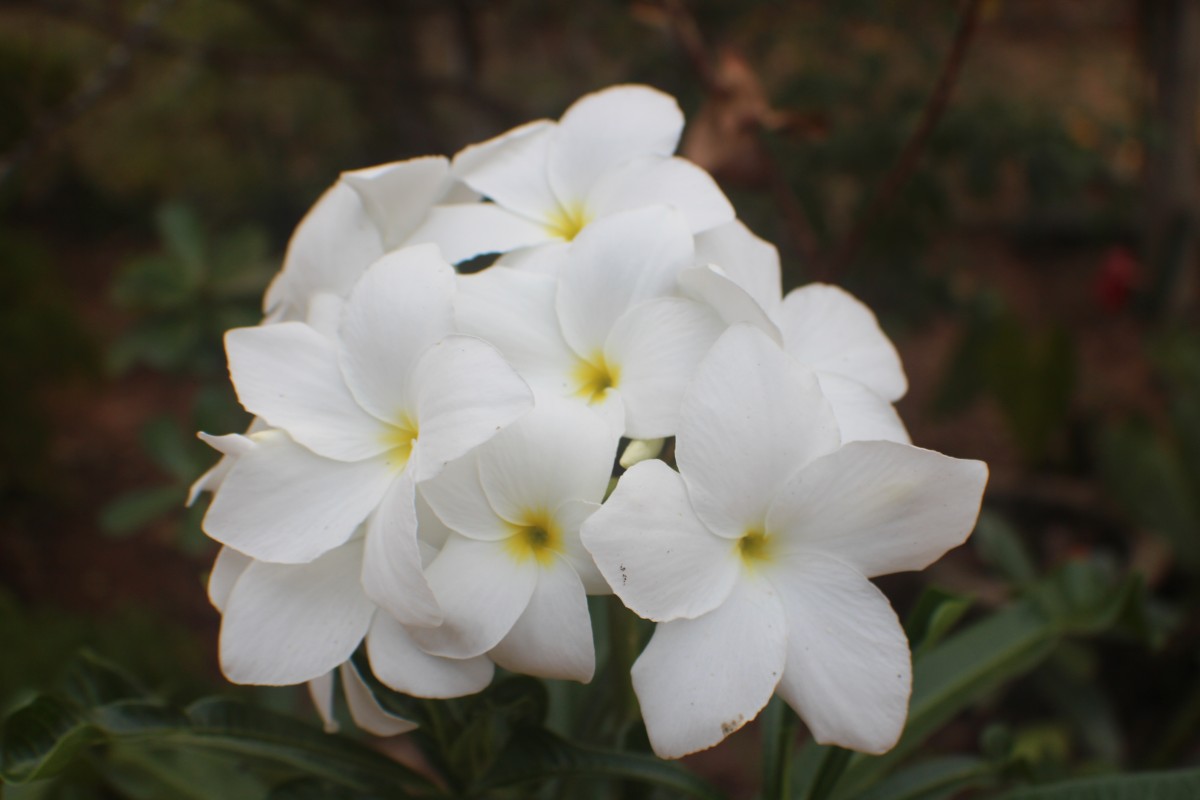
point(44, 342)
point(235, 114)
point(1152, 472)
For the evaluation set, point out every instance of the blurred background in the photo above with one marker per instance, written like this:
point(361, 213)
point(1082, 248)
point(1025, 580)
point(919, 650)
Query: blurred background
point(1010, 184)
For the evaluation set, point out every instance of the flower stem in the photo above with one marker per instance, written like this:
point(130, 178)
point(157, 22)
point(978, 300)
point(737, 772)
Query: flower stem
point(779, 742)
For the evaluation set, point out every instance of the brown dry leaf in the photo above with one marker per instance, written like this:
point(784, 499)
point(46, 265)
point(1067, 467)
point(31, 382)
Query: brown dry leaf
point(723, 136)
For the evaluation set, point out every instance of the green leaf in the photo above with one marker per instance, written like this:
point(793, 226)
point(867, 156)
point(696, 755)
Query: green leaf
point(146, 772)
point(133, 510)
point(41, 739)
point(92, 681)
point(935, 778)
point(932, 616)
point(235, 728)
point(1181, 784)
point(164, 442)
point(957, 674)
point(535, 754)
point(183, 236)
point(999, 544)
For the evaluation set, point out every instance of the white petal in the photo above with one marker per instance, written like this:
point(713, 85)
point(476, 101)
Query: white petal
point(829, 330)
point(553, 637)
point(288, 374)
point(515, 312)
point(607, 128)
point(466, 230)
point(401, 665)
point(457, 498)
point(848, 671)
point(881, 507)
point(228, 567)
point(482, 589)
point(392, 573)
point(230, 446)
point(331, 247)
point(397, 196)
point(749, 419)
point(290, 623)
point(282, 503)
point(366, 711)
point(320, 690)
point(654, 180)
point(701, 679)
point(570, 517)
point(613, 265)
point(559, 451)
point(511, 170)
point(710, 284)
point(464, 393)
point(547, 258)
point(861, 414)
point(657, 556)
point(656, 347)
point(750, 262)
point(402, 306)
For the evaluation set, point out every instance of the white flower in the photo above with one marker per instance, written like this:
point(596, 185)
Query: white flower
point(366, 213)
point(755, 557)
point(823, 327)
point(512, 576)
point(608, 330)
point(283, 624)
point(547, 181)
point(357, 421)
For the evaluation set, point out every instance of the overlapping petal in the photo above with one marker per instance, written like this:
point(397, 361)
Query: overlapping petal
point(511, 169)
point(862, 415)
point(656, 347)
point(280, 502)
point(750, 262)
point(653, 180)
point(482, 590)
point(464, 392)
point(829, 330)
point(701, 679)
point(560, 451)
point(290, 623)
point(604, 129)
point(848, 671)
point(392, 573)
point(403, 666)
point(288, 374)
point(401, 307)
point(397, 196)
point(366, 711)
point(615, 264)
point(881, 507)
point(465, 230)
point(553, 636)
point(750, 418)
point(653, 550)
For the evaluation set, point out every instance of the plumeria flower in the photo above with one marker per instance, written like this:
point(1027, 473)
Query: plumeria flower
point(609, 330)
point(366, 213)
point(284, 624)
point(824, 327)
point(755, 556)
point(357, 422)
point(548, 181)
point(512, 576)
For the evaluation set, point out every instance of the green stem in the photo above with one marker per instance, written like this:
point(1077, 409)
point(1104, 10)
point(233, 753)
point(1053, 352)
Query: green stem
point(779, 742)
point(622, 643)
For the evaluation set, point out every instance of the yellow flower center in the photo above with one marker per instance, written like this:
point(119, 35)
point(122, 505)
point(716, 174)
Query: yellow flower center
point(754, 547)
point(399, 438)
point(565, 222)
point(537, 537)
point(594, 377)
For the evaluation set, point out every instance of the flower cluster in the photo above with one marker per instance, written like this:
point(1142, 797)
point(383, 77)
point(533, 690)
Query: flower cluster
point(429, 470)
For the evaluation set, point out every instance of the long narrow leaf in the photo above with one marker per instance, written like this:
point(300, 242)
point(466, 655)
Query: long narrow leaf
point(536, 755)
point(1181, 784)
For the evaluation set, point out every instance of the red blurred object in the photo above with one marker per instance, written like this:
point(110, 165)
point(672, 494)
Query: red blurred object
point(1120, 274)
